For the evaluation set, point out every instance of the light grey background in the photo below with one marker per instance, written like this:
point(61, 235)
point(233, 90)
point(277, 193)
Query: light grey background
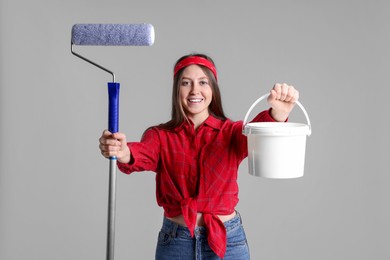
point(53, 181)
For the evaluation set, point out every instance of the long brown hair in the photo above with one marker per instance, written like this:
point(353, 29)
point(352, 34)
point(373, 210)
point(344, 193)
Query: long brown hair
point(178, 115)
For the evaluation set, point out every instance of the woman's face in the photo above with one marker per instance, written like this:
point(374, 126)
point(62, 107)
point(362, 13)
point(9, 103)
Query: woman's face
point(195, 93)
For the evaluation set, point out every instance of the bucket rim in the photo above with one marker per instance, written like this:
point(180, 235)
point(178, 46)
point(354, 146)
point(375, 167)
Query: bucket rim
point(276, 129)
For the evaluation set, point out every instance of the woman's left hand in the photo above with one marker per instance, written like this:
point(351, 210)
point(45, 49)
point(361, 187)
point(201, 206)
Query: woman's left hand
point(282, 99)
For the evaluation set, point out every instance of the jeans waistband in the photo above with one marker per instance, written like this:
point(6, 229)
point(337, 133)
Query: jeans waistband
point(173, 228)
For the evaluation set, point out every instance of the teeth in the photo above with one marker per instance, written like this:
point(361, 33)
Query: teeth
point(195, 100)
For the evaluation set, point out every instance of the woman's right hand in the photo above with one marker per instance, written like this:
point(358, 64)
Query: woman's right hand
point(114, 145)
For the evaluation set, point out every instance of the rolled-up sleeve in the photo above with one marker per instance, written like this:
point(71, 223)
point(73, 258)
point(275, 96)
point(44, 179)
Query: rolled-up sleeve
point(144, 154)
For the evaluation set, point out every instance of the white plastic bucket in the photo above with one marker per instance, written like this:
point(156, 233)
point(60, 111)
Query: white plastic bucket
point(276, 149)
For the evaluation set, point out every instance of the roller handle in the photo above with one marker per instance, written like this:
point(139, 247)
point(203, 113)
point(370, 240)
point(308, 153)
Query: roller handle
point(113, 107)
point(113, 127)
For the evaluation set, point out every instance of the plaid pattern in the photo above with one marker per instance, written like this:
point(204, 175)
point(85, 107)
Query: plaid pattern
point(196, 171)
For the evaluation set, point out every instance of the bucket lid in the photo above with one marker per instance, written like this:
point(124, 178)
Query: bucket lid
point(276, 128)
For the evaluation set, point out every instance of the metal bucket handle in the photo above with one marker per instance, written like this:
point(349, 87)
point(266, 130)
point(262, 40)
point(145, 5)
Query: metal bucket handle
point(265, 96)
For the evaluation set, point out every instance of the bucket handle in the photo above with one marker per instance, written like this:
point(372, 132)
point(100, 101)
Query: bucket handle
point(265, 96)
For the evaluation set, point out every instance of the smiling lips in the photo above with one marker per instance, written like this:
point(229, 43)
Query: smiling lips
point(195, 100)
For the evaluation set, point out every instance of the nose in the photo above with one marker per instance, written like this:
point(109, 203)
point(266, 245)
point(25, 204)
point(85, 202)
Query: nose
point(194, 88)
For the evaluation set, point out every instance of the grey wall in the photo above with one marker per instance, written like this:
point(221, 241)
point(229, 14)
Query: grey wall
point(53, 181)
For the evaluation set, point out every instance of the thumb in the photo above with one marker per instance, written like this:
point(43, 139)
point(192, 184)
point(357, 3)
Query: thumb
point(272, 96)
point(120, 137)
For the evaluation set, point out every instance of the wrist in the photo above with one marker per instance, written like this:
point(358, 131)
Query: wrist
point(126, 157)
point(278, 116)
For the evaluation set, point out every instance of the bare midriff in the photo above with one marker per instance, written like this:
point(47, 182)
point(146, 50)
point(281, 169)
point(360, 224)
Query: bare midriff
point(199, 219)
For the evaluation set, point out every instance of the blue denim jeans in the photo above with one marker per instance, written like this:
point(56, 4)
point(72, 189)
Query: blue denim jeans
point(175, 242)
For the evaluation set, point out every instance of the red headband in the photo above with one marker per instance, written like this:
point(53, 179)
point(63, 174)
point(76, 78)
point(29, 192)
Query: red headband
point(197, 61)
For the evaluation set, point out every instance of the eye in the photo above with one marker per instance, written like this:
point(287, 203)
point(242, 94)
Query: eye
point(203, 82)
point(185, 83)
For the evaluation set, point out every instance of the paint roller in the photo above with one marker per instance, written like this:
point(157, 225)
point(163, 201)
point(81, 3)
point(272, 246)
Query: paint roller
point(111, 35)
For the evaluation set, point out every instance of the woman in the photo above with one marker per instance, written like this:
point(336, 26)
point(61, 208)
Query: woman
point(196, 156)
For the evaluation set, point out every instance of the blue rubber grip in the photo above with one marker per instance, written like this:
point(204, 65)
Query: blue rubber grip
point(113, 106)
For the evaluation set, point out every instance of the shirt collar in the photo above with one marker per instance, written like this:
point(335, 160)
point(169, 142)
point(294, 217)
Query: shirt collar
point(211, 121)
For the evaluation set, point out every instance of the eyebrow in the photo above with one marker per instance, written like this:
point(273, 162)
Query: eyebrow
point(197, 78)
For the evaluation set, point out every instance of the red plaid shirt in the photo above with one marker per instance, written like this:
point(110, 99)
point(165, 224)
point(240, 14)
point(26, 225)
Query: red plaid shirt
point(196, 171)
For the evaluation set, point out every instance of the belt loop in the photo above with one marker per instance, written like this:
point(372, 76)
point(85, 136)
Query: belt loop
point(174, 229)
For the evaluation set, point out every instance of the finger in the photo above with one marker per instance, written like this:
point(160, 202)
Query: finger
point(109, 151)
point(109, 141)
point(284, 91)
point(106, 133)
point(273, 95)
point(278, 89)
point(277, 86)
point(104, 150)
point(290, 94)
point(112, 139)
point(294, 95)
point(110, 147)
point(108, 154)
point(121, 138)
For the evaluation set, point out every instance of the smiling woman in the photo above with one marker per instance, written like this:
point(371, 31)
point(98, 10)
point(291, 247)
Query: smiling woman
point(195, 94)
point(196, 156)
point(206, 64)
